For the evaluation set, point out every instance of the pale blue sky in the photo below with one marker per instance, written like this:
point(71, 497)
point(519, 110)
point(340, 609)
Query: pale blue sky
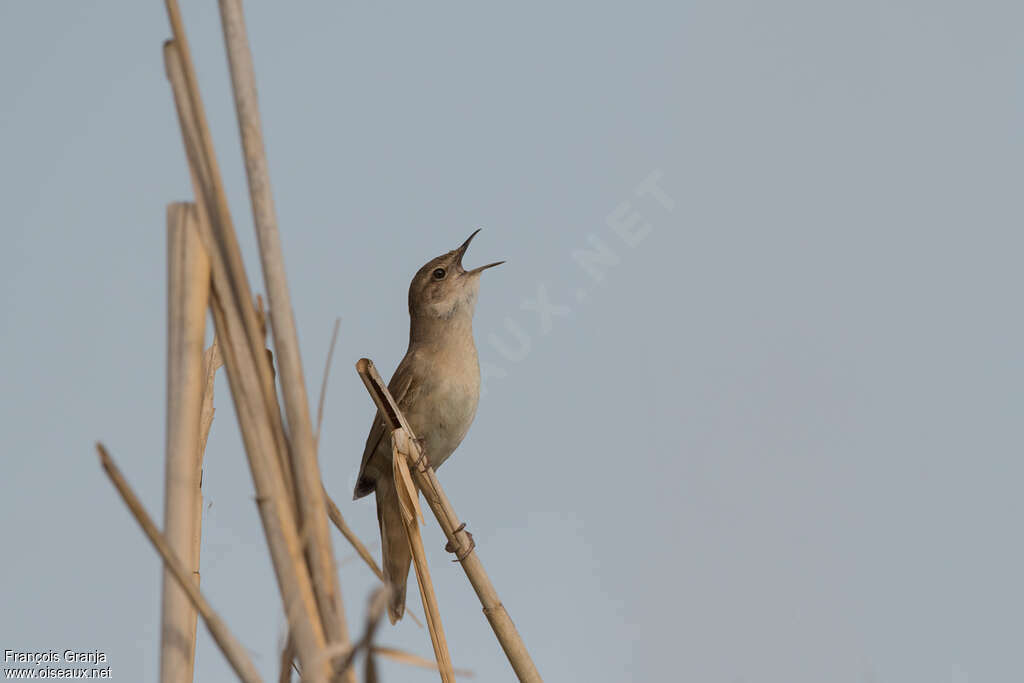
point(779, 441)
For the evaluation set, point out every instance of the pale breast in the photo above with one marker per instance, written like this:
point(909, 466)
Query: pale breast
point(450, 405)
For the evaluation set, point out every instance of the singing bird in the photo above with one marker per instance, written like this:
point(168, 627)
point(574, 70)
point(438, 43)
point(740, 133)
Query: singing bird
point(437, 386)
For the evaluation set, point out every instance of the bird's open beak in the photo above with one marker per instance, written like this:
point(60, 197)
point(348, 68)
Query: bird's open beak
point(461, 251)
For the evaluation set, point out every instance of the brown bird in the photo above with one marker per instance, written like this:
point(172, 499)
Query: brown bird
point(437, 386)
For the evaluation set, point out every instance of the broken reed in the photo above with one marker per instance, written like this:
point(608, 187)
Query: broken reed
point(188, 288)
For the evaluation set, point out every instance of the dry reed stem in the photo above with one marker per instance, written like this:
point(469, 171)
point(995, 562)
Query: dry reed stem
point(403, 657)
point(229, 645)
point(408, 499)
point(323, 383)
point(249, 372)
point(188, 287)
point(370, 673)
point(287, 658)
point(333, 512)
point(305, 468)
point(345, 654)
point(374, 611)
point(458, 538)
point(335, 515)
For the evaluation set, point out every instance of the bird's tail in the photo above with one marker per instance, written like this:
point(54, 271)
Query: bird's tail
point(394, 545)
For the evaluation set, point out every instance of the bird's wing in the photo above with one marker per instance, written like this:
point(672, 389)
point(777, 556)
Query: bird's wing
point(403, 386)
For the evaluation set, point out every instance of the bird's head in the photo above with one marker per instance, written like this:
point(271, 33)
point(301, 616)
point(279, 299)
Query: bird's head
point(442, 289)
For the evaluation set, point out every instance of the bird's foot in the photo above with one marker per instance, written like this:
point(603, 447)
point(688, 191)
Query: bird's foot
point(463, 552)
point(422, 462)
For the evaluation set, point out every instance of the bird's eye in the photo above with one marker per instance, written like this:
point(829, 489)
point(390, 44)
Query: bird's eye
point(439, 273)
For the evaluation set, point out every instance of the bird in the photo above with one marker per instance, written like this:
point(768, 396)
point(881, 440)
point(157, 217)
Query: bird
point(437, 388)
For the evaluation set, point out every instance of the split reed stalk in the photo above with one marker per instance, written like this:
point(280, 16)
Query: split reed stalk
point(229, 645)
point(188, 287)
point(408, 498)
point(458, 538)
